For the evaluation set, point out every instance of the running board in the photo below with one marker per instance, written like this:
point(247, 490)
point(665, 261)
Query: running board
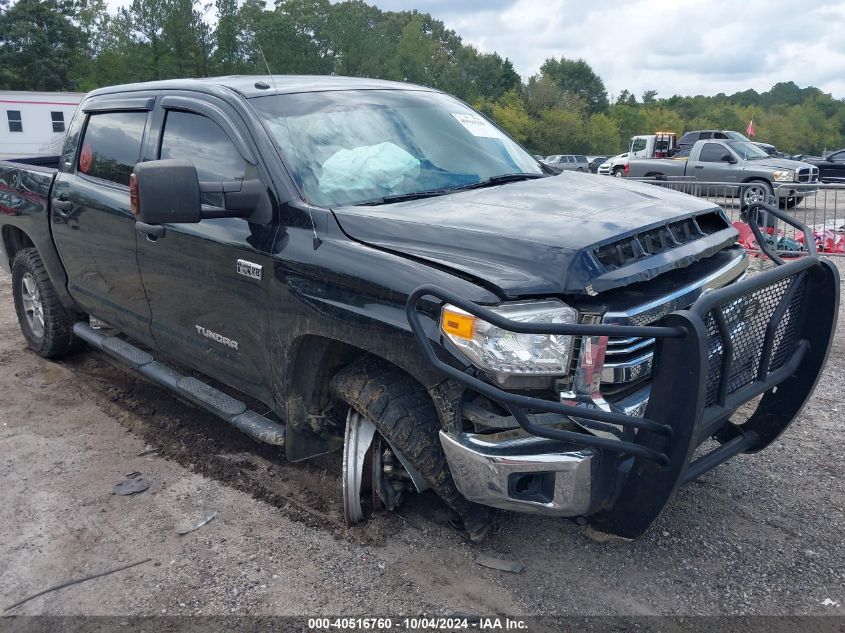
point(205, 396)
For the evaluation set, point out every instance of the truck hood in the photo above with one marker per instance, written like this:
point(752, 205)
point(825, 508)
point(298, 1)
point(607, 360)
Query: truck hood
point(777, 163)
point(566, 234)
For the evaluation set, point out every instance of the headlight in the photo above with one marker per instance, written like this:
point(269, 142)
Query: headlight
point(784, 176)
point(503, 353)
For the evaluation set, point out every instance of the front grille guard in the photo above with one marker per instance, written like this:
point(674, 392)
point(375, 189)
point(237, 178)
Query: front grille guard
point(760, 336)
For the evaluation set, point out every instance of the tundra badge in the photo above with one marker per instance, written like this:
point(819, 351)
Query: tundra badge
point(218, 338)
point(248, 269)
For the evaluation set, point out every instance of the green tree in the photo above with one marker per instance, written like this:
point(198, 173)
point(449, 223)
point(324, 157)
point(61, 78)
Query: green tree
point(577, 77)
point(40, 47)
point(602, 134)
point(510, 113)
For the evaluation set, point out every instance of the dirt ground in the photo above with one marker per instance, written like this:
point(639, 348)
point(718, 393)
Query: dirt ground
point(762, 534)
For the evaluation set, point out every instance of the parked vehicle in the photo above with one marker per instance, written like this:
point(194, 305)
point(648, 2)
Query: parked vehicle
point(568, 162)
point(733, 162)
point(395, 278)
point(594, 162)
point(831, 167)
point(614, 166)
point(657, 145)
point(690, 138)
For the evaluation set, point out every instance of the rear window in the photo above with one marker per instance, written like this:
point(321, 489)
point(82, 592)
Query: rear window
point(580, 159)
point(111, 146)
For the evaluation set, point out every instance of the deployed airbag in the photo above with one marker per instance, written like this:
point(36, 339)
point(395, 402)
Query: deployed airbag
point(368, 167)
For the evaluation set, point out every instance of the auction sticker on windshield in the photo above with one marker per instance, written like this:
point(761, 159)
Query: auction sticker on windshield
point(477, 126)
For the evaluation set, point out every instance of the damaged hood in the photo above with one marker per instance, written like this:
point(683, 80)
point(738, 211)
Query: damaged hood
point(566, 234)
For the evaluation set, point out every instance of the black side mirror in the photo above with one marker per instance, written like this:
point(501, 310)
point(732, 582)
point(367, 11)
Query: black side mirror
point(728, 158)
point(166, 192)
point(169, 192)
point(830, 158)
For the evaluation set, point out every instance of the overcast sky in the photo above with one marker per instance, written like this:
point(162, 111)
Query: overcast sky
point(683, 47)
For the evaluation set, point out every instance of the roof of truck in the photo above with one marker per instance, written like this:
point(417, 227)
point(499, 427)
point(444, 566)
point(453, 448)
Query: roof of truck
point(254, 85)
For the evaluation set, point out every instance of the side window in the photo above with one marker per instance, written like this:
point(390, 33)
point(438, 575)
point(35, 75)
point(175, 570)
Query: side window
point(638, 145)
point(201, 141)
point(14, 118)
point(111, 146)
point(688, 138)
point(719, 135)
point(705, 135)
point(58, 119)
point(712, 153)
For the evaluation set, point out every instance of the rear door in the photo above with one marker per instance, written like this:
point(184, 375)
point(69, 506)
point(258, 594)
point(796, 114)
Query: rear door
point(92, 222)
point(207, 283)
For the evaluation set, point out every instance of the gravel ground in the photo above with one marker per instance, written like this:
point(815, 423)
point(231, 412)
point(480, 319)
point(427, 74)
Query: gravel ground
point(762, 534)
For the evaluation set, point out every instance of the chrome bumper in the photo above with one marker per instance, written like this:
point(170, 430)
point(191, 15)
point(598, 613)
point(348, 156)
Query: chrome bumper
point(511, 471)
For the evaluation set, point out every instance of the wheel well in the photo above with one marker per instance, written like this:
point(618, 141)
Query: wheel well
point(14, 240)
point(757, 179)
point(655, 174)
point(307, 399)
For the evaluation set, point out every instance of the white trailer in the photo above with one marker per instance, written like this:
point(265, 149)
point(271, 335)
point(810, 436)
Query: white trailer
point(33, 124)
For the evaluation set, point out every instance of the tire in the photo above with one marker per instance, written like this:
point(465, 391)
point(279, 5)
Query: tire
point(791, 203)
point(45, 323)
point(756, 190)
point(404, 415)
point(619, 172)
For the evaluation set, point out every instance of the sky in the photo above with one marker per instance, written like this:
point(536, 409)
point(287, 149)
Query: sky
point(685, 47)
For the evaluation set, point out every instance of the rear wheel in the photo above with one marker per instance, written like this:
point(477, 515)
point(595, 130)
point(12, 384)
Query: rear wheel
point(619, 172)
point(392, 437)
point(45, 323)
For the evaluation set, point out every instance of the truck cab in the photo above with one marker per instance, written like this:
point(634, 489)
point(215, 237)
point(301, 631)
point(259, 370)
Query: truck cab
point(374, 268)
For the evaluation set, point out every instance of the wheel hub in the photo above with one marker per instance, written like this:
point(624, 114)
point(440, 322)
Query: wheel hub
point(371, 468)
point(32, 305)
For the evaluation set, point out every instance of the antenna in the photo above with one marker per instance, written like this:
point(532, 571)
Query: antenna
point(264, 59)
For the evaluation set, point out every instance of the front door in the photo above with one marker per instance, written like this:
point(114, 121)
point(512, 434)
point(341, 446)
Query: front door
point(207, 282)
point(93, 226)
point(711, 168)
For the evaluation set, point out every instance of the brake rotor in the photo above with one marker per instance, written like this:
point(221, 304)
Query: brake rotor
point(357, 455)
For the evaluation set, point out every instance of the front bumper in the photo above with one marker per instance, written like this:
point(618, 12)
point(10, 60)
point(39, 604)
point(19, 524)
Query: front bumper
point(516, 471)
point(760, 336)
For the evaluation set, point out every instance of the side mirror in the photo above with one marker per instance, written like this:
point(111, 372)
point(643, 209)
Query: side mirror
point(165, 192)
point(728, 158)
point(169, 192)
point(830, 158)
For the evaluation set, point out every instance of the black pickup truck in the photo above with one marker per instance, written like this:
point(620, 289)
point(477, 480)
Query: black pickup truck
point(395, 278)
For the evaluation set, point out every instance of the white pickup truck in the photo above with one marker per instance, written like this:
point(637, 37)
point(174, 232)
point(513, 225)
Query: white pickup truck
point(728, 162)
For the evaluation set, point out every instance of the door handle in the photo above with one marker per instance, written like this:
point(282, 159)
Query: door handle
point(62, 204)
point(152, 231)
point(699, 166)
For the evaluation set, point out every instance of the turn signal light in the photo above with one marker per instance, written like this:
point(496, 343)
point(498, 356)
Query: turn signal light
point(133, 194)
point(457, 324)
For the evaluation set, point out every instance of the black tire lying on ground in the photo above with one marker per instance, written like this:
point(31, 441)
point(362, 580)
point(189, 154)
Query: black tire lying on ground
point(55, 338)
point(404, 414)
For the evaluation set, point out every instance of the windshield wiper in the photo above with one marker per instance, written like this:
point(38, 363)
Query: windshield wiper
point(500, 180)
point(402, 197)
point(416, 195)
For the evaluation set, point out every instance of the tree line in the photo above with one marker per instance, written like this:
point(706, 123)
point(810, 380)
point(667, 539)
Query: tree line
point(79, 45)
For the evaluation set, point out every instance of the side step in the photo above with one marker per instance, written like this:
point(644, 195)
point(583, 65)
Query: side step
point(213, 400)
